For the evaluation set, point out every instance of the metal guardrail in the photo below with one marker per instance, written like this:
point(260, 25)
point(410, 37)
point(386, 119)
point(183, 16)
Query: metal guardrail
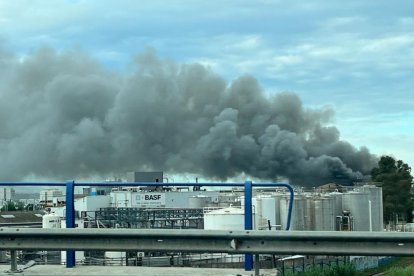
point(211, 241)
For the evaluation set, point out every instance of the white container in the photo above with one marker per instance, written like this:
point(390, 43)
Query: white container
point(299, 213)
point(259, 222)
point(199, 201)
point(358, 204)
point(51, 221)
point(324, 214)
point(375, 195)
point(338, 203)
point(310, 213)
point(224, 219)
point(269, 209)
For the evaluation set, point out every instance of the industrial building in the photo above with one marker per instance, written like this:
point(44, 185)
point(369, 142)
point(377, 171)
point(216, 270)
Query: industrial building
point(359, 209)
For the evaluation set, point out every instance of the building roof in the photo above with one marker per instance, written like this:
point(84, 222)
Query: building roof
point(12, 218)
point(330, 187)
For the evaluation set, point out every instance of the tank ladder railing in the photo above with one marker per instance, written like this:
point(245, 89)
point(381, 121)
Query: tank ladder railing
point(70, 202)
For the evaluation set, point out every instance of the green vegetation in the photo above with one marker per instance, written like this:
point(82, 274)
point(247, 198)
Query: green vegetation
point(12, 206)
point(401, 271)
point(342, 270)
point(396, 263)
point(396, 179)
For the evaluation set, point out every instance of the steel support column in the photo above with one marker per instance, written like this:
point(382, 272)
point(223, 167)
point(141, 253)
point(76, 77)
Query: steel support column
point(248, 220)
point(70, 219)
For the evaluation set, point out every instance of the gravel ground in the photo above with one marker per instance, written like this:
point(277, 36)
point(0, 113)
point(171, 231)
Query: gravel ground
point(128, 270)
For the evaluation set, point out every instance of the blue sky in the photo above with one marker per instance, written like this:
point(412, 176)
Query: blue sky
point(355, 56)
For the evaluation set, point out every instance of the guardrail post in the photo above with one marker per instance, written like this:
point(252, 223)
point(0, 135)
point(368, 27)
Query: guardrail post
point(70, 219)
point(13, 261)
point(248, 220)
point(256, 265)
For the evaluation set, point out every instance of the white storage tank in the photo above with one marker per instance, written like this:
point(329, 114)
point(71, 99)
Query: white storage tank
point(310, 213)
point(358, 204)
point(324, 214)
point(337, 196)
point(270, 210)
point(224, 219)
point(199, 201)
point(298, 212)
point(277, 198)
point(259, 222)
point(375, 195)
point(51, 221)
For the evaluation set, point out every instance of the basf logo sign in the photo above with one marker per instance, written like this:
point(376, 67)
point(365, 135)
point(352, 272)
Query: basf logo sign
point(150, 200)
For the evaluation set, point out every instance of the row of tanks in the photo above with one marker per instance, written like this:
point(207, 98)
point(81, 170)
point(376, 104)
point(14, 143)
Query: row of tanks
point(356, 210)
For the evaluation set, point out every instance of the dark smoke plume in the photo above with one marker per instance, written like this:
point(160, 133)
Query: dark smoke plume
point(63, 115)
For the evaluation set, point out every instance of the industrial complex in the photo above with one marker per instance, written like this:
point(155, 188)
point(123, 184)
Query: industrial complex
point(326, 208)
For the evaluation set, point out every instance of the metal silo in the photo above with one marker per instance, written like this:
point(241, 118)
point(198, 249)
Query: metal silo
point(324, 214)
point(338, 202)
point(269, 209)
point(375, 195)
point(277, 198)
point(298, 212)
point(310, 213)
point(224, 219)
point(257, 210)
point(358, 204)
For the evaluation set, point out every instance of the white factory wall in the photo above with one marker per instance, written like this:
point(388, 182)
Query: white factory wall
point(88, 203)
point(128, 199)
point(92, 203)
point(7, 193)
point(121, 199)
point(49, 194)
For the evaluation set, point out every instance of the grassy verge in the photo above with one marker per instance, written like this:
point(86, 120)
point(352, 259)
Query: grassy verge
point(401, 271)
point(343, 270)
point(398, 262)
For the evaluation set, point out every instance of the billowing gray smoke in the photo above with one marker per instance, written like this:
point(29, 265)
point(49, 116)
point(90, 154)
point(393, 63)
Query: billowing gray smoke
point(66, 116)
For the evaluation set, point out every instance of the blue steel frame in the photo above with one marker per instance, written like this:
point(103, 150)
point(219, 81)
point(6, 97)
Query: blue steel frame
point(248, 192)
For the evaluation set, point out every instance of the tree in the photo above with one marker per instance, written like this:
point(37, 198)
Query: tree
point(396, 179)
point(13, 206)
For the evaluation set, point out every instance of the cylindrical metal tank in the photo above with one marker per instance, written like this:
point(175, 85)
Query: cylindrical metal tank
point(324, 214)
point(310, 213)
point(259, 222)
point(269, 209)
point(375, 195)
point(338, 203)
point(264, 208)
point(358, 204)
point(224, 219)
point(277, 198)
point(298, 212)
point(198, 201)
point(51, 221)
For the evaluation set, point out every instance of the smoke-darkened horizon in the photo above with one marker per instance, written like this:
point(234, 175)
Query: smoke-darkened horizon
point(64, 115)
